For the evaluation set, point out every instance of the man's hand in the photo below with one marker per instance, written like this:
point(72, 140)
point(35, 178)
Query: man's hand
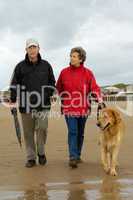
point(53, 99)
point(11, 104)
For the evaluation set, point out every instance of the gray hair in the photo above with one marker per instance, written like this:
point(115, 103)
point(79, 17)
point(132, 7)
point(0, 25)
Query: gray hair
point(81, 52)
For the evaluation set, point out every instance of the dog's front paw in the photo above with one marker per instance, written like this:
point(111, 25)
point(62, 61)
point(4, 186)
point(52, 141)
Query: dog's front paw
point(106, 169)
point(113, 172)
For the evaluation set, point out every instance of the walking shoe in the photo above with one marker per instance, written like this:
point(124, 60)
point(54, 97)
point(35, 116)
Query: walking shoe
point(30, 163)
point(42, 159)
point(73, 163)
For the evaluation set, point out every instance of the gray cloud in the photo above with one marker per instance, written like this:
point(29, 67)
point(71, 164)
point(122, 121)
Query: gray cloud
point(56, 21)
point(102, 27)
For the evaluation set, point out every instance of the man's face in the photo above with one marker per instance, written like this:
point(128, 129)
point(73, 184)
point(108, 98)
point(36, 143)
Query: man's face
point(74, 59)
point(32, 52)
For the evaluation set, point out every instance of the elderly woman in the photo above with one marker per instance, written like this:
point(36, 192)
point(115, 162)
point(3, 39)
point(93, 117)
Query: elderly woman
point(74, 86)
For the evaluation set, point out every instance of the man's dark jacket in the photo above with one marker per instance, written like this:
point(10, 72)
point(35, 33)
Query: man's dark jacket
point(29, 79)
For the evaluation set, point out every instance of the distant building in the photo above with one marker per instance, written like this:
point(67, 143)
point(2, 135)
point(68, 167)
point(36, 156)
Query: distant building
point(4, 96)
point(111, 90)
point(130, 88)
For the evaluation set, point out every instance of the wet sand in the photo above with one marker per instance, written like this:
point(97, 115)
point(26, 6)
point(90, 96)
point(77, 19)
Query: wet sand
point(56, 180)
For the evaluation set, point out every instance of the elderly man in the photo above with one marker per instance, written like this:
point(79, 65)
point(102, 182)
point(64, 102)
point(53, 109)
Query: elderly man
point(33, 83)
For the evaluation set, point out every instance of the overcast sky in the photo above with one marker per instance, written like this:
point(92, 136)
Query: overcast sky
point(103, 27)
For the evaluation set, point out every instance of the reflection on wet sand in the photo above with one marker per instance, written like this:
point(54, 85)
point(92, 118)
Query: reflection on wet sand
point(36, 194)
point(107, 189)
point(77, 194)
point(110, 189)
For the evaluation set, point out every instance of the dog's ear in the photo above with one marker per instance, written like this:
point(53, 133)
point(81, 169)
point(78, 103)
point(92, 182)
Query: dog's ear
point(117, 116)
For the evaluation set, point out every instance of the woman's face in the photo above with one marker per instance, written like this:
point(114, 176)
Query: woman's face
point(74, 59)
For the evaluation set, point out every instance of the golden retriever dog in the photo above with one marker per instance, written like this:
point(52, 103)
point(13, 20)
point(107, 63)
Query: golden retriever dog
point(111, 128)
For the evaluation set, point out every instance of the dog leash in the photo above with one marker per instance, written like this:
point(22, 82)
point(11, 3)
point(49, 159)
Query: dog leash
point(100, 107)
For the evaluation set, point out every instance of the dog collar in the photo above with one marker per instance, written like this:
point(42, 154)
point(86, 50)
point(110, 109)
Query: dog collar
point(105, 127)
